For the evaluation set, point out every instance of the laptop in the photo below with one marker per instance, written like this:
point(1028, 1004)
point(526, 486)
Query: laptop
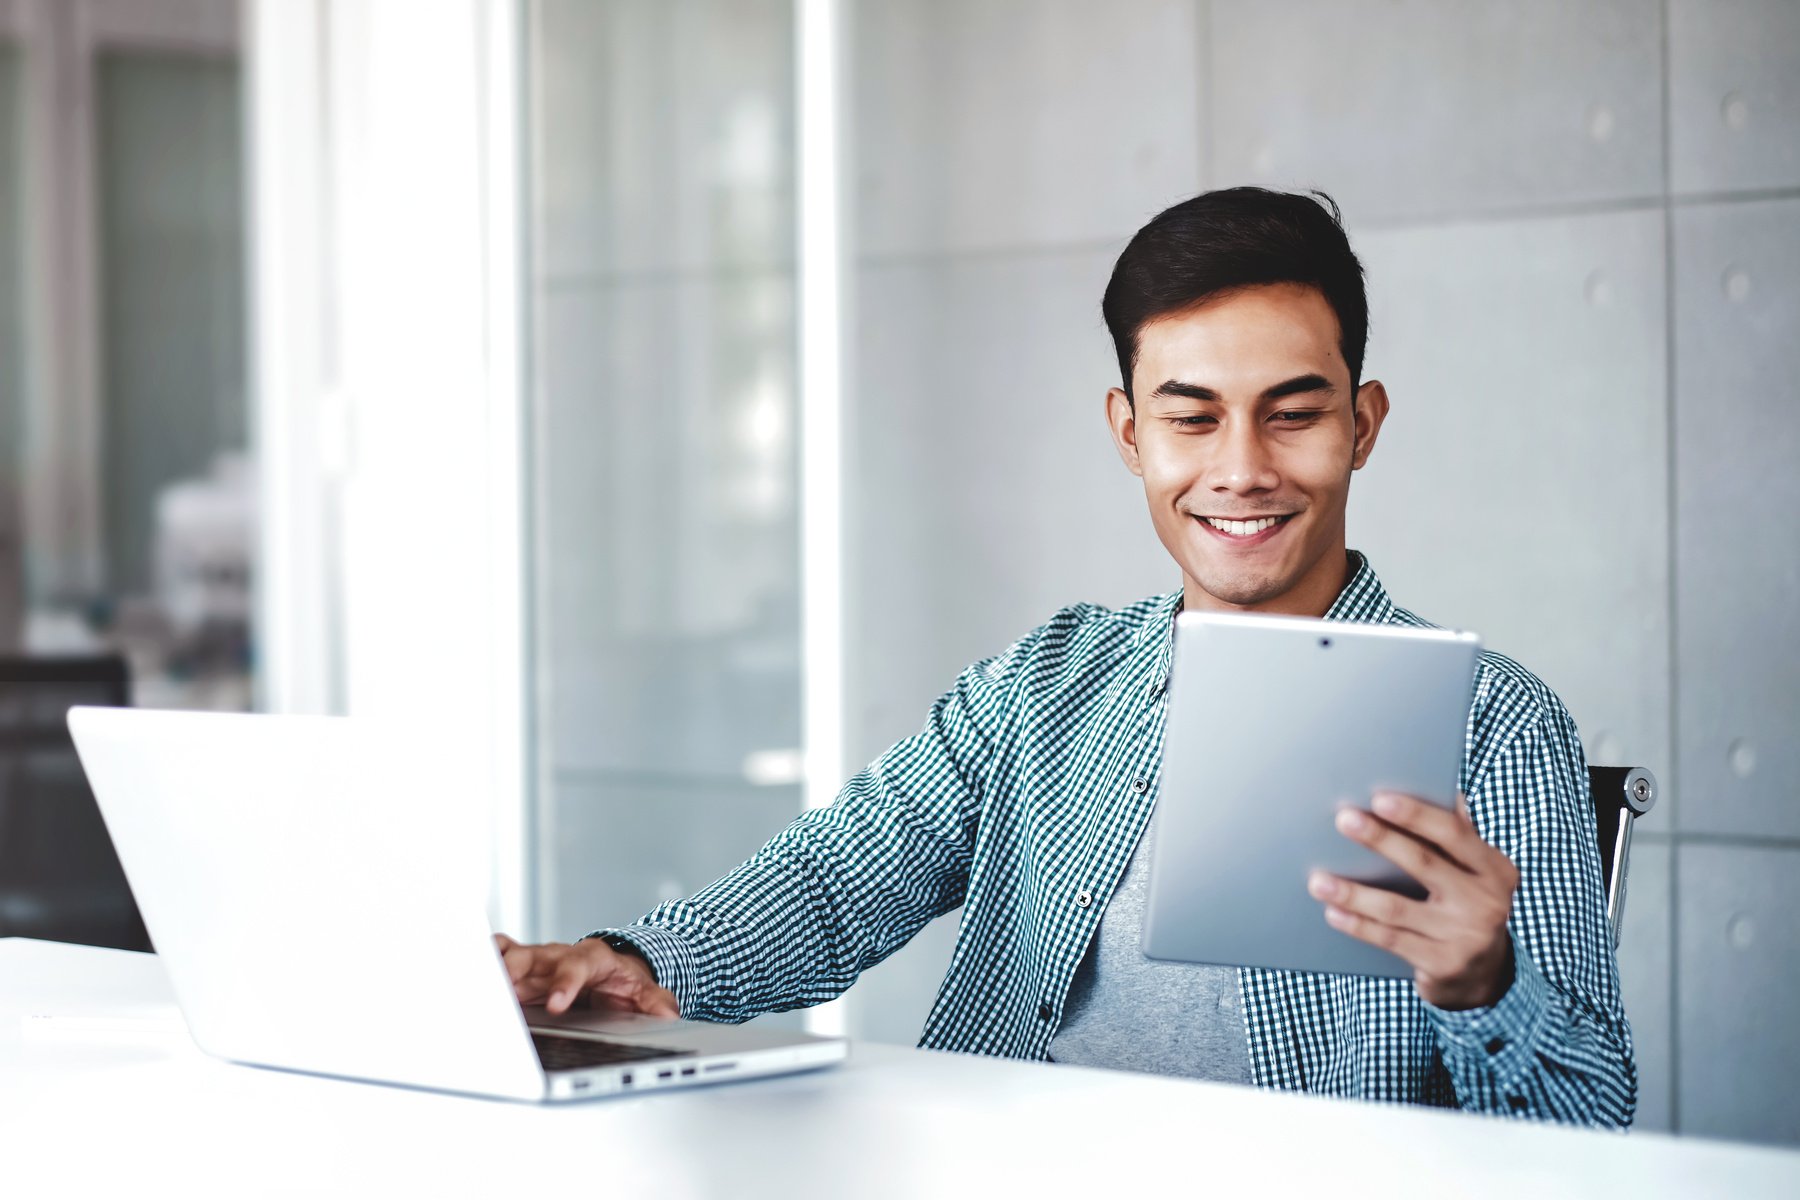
point(317, 896)
point(1316, 715)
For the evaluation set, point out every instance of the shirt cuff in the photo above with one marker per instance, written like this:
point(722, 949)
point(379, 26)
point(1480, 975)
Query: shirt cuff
point(1500, 1039)
point(671, 959)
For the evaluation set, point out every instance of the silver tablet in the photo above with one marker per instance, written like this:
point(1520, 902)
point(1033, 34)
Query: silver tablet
point(1274, 724)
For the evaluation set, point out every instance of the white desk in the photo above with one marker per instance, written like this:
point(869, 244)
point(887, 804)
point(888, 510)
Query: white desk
point(135, 1109)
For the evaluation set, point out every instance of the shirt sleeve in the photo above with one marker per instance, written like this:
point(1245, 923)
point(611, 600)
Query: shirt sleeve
point(841, 887)
point(1557, 1044)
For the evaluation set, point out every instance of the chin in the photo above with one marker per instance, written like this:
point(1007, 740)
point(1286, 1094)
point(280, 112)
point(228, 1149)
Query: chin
point(1241, 592)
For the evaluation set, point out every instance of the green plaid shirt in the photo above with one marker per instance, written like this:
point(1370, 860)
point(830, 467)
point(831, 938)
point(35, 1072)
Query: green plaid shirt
point(1028, 788)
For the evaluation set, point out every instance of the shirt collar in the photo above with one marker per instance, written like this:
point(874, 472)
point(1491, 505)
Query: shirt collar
point(1363, 599)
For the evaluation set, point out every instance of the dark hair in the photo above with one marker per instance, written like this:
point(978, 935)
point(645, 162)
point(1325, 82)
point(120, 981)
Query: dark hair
point(1222, 241)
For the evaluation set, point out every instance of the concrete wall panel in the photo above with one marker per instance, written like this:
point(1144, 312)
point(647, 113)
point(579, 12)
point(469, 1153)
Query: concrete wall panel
point(1739, 955)
point(1414, 109)
point(1737, 440)
point(982, 488)
point(1010, 123)
point(1734, 94)
point(1645, 977)
point(1519, 488)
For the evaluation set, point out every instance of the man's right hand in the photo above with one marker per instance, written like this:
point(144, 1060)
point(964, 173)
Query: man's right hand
point(556, 975)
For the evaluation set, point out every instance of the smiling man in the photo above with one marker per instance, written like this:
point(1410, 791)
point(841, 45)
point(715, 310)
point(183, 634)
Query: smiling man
point(1240, 321)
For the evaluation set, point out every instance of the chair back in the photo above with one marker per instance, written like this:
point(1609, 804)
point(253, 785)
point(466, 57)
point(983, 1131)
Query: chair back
point(1621, 795)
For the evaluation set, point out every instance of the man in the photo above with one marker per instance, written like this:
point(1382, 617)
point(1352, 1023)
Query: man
point(1240, 321)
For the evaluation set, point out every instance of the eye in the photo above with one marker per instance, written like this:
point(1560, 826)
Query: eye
point(1295, 416)
point(1191, 422)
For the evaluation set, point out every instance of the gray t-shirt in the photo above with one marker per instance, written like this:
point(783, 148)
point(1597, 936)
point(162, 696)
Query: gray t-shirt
point(1133, 1013)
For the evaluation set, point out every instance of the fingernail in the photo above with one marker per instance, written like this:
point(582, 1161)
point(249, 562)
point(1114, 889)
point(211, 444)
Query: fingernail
point(1351, 821)
point(1387, 804)
point(1321, 885)
point(1335, 915)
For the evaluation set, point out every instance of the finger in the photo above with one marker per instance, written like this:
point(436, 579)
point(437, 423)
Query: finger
point(1425, 863)
point(1377, 904)
point(1453, 835)
point(1448, 828)
point(1402, 942)
point(647, 999)
point(522, 962)
point(534, 990)
point(536, 964)
point(531, 970)
point(503, 943)
point(626, 990)
point(568, 982)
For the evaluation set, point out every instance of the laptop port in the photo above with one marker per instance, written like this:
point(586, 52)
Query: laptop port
point(724, 1066)
point(582, 1085)
point(665, 1074)
point(626, 1081)
point(686, 1071)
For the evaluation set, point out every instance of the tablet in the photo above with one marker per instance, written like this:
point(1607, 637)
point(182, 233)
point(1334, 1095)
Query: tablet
point(1274, 723)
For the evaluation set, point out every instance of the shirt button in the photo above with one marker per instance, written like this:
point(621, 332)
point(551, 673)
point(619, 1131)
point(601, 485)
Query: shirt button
point(1083, 899)
point(1140, 786)
point(1044, 1013)
point(1496, 1045)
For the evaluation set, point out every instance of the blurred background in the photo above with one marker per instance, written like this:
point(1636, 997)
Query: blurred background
point(662, 400)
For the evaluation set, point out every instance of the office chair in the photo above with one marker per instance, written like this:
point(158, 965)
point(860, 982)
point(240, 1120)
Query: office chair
point(60, 879)
point(1621, 795)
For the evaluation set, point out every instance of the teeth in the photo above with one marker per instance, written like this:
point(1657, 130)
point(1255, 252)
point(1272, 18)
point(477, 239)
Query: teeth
point(1242, 528)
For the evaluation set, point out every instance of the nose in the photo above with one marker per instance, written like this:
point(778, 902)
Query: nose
point(1244, 464)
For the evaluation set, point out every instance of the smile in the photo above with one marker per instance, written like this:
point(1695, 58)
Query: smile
point(1244, 529)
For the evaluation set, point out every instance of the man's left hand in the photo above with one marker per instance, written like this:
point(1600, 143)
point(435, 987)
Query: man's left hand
point(1456, 938)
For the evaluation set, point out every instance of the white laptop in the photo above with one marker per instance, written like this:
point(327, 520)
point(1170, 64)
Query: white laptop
point(319, 905)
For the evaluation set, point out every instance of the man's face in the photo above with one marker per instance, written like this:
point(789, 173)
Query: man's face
point(1245, 435)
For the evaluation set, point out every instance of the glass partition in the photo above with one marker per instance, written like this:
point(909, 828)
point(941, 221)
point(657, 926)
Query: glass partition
point(127, 523)
point(177, 490)
point(664, 537)
point(12, 350)
point(127, 527)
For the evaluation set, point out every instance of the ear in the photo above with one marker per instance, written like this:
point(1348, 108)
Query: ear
point(1371, 411)
point(1123, 422)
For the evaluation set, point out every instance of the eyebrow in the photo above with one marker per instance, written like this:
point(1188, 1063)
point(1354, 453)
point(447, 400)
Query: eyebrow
point(1298, 385)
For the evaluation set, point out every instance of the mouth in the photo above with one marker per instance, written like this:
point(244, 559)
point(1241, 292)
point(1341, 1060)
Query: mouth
point(1248, 531)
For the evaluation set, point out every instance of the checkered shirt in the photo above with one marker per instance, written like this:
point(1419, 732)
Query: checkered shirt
point(1029, 785)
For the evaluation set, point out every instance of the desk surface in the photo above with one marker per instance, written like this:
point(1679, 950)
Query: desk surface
point(115, 1096)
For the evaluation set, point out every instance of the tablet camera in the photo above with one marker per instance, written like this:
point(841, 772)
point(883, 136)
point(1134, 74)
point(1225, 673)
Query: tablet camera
point(1325, 643)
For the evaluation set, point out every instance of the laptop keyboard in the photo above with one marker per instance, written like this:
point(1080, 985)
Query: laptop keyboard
point(569, 1053)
